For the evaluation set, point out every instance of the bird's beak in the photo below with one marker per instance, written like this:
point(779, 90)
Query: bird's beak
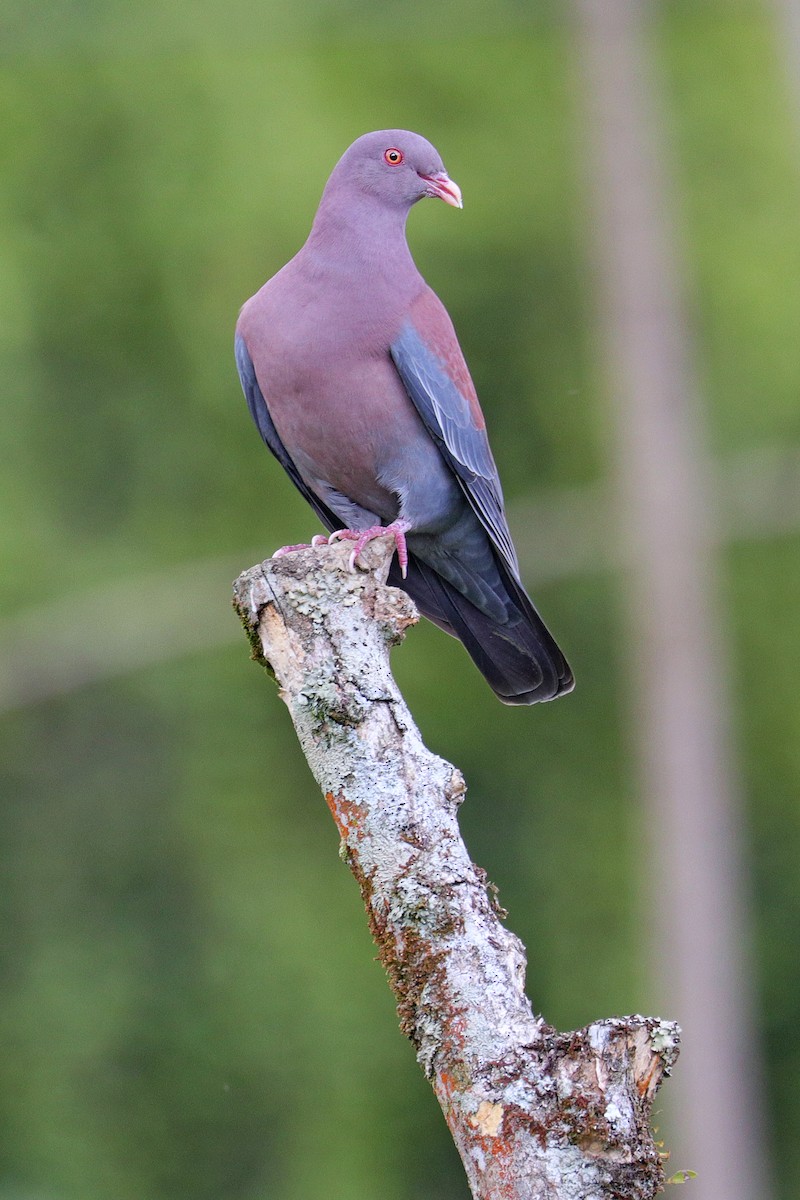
point(442, 185)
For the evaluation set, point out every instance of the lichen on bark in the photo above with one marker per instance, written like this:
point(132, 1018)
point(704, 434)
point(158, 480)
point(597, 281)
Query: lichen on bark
point(535, 1114)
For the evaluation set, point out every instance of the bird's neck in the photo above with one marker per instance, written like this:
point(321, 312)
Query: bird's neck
point(366, 239)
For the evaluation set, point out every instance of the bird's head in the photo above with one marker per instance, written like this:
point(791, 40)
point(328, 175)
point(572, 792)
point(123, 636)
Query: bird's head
point(397, 167)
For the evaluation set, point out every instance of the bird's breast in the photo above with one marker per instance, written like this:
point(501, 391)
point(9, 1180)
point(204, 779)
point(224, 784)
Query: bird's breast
point(322, 360)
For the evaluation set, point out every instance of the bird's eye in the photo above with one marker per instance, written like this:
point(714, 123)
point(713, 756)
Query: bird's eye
point(393, 156)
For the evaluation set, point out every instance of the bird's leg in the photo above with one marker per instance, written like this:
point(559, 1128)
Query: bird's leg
point(319, 539)
point(397, 529)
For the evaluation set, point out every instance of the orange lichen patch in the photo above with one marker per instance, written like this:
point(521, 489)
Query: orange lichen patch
point(448, 1085)
point(454, 1035)
point(643, 1083)
point(445, 1088)
point(348, 815)
point(500, 1154)
point(648, 1064)
point(503, 1150)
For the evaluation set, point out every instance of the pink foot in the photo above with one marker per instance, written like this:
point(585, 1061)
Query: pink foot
point(397, 529)
point(319, 539)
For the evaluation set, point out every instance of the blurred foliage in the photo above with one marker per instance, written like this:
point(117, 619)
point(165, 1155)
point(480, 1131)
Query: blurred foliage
point(189, 1004)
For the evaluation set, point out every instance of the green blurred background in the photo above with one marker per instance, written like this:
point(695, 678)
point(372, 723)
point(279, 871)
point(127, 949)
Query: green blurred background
point(189, 1002)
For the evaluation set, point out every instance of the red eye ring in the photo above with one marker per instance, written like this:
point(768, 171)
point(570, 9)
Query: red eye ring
point(393, 156)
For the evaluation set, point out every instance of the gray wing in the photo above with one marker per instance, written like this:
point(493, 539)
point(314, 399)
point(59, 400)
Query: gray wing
point(452, 417)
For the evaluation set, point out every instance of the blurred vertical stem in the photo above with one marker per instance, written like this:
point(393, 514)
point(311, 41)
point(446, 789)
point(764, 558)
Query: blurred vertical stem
point(535, 1114)
point(787, 20)
point(676, 631)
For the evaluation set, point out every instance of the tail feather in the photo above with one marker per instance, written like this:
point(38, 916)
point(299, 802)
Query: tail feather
point(519, 658)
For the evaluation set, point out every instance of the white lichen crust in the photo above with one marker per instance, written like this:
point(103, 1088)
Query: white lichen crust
point(535, 1114)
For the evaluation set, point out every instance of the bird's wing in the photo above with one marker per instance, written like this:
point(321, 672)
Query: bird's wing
point(260, 414)
point(430, 363)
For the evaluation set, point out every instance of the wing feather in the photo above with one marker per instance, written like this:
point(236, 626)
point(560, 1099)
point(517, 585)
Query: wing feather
point(436, 378)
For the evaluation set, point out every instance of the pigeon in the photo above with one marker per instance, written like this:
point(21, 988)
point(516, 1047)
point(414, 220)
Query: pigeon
point(353, 374)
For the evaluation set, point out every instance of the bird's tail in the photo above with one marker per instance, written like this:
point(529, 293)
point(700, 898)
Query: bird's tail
point(518, 658)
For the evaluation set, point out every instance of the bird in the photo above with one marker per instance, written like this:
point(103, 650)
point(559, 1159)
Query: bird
point(355, 379)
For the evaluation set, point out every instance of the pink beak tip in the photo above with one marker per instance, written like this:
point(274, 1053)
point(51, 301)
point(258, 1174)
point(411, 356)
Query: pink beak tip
point(445, 189)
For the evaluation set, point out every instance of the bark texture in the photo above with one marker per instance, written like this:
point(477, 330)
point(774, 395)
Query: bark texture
point(535, 1114)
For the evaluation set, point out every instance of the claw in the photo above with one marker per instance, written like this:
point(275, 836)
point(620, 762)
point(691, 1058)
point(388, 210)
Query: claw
point(290, 549)
point(319, 539)
point(361, 537)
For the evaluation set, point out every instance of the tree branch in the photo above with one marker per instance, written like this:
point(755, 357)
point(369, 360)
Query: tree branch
point(535, 1114)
